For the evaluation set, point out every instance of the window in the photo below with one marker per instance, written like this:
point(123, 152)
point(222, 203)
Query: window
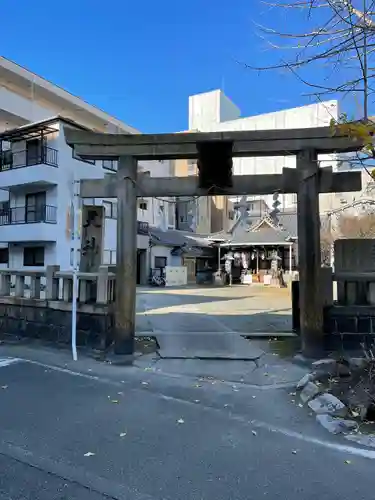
point(34, 151)
point(160, 262)
point(35, 207)
point(110, 165)
point(142, 204)
point(171, 214)
point(4, 255)
point(192, 167)
point(110, 209)
point(4, 208)
point(33, 256)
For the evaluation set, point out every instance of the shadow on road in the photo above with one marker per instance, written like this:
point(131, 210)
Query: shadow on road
point(165, 299)
point(258, 322)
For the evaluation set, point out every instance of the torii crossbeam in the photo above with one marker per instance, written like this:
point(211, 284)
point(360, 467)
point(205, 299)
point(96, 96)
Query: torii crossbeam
point(307, 180)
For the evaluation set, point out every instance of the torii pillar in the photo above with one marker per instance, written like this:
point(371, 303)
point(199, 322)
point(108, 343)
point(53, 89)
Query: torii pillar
point(126, 256)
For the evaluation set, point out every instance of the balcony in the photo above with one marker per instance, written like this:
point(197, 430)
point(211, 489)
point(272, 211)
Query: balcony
point(13, 171)
point(38, 224)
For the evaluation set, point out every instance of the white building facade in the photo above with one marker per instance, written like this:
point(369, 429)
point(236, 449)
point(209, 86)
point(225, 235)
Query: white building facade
point(213, 111)
point(37, 174)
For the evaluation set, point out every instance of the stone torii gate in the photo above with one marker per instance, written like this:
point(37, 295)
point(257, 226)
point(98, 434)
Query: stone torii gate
point(307, 180)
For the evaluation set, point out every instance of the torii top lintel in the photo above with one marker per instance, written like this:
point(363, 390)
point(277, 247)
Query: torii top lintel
point(245, 143)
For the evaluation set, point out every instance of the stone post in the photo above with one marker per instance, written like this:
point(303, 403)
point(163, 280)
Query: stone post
point(5, 284)
point(67, 289)
point(20, 286)
point(102, 286)
point(52, 283)
point(35, 287)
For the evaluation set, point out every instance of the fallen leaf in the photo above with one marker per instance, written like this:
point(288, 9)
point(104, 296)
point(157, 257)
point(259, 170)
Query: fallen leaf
point(348, 462)
point(89, 454)
point(180, 421)
point(115, 401)
point(4, 387)
point(122, 434)
point(254, 433)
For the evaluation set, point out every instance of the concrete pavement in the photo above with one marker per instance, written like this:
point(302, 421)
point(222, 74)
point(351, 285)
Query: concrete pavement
point(151, 435)
point(242, 309)
point(210, 322)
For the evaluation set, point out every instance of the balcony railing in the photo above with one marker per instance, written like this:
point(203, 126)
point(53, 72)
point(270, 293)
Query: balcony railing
point(17, 159)
point(28, 215)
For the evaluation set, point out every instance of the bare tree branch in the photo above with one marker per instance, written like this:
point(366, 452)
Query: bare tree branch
point(337, 37)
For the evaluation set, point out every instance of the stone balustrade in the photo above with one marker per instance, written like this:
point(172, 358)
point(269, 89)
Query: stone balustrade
point(55, 285)
point(38, 304)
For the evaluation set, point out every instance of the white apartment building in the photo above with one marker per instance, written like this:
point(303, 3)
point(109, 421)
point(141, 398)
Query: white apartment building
point(214, 111)
point(37, 171)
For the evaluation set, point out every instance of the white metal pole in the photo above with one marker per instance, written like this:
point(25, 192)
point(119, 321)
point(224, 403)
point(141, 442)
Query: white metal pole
point(75, 232)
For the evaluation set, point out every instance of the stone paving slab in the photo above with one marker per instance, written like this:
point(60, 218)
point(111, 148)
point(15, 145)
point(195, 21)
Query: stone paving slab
point(249, 372)
point(206, 346)
point(254, 335)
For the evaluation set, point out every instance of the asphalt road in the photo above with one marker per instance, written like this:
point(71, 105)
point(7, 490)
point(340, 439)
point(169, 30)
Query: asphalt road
point(150, 437)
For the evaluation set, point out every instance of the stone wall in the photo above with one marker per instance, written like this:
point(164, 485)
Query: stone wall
point(51, 321)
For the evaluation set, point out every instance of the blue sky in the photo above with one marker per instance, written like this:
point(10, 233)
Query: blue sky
point(141, 60)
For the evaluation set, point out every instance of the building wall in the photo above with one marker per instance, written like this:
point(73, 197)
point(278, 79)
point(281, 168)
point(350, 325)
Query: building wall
point(16, 255)
point(205, 115)
point(210, 108)
point(203, 215)
point(27, 98)
point(162, 251)
point(58, 184)
point(160, 211)
point(26, 108)
point(41, 93)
